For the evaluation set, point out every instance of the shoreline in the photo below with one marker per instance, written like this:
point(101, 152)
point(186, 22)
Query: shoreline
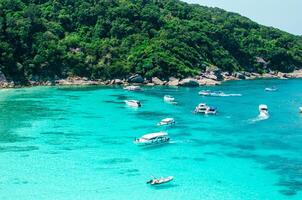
point(211, 78)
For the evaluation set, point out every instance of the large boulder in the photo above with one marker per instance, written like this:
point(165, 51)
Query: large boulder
point(173, 81)
point(189, 82)
point(118, 81)
point(136, 79)
point(209, 82)
point(157, 81)
point(213, 72)
point(239, 75)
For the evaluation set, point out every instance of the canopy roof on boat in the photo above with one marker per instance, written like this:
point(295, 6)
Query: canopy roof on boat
point(263, 107)
point(154, 135)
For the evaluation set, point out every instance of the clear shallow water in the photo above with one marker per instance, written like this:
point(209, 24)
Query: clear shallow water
point(76, 143)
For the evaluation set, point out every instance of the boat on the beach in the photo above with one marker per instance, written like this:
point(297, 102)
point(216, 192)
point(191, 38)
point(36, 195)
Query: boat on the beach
point(133, 103)
point(211, 111)
point(271, 89)
point(166, 121)
point(152, 138)
point(169, 98)
point(132, 88)
point(263, 111)
point(201, 108)
point(158, 181)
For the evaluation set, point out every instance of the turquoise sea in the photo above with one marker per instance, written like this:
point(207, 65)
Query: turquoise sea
point(76, 143)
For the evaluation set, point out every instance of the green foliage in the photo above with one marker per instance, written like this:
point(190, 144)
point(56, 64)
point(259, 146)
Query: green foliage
point(113, 38)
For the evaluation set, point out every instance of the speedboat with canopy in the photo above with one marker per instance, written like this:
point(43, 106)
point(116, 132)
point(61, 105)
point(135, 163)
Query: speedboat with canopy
point(153, 138)
point(133, 103)
point(263, 111)
point(201, 108)
point(169, 98)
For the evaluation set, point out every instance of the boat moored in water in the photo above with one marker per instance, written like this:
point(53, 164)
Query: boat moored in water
point(271, 89)
point(133, 103)
point(211, 111)
point(300, 109)
point(263, 111)
point(201, 108)
point(153, 138)
point(158, 181)
point(166, 121)
point(132, 88)
point(169, 98)
point(216, 94)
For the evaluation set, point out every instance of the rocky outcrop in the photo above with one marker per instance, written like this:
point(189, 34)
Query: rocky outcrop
point(136, 79)
point(77, 81)
point(239, 75)
point(209, 82)
point(173, 81)
point(118, 81)
point(157, 81)
point(213, 73)
point(189, 82)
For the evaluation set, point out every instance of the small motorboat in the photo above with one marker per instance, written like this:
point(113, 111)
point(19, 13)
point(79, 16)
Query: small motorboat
point(216, 94)
point(166, 121)
point(211, 111)
point(271, 89)
point(205, 93)
point(158, 181)
point(201, 108)
point(132, 88)
point(133, 103)
point(300, 109)
point(169, 98)
point(152, 138)
point(263, 111)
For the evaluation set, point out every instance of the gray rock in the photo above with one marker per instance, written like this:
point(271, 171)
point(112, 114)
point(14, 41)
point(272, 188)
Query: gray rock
point(174, 82)
point(136, 79)
point(118, 81)
point(239, 75)
point(209, 82)
point(157, 81)
point(189, 82)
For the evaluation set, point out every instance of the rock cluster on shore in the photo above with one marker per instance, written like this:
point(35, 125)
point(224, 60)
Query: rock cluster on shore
point(210, 77)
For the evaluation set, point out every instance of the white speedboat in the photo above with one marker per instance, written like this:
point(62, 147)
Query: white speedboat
point(271, 89)
point(158, 181)
point(205, 93)
point(132, 88)
point(166, 121)
point(169, 98)
point(211, 111)
point(201, 108)
point(263, 111)
point(300, 109)
point(152, 138)
point(216, 94)
point(133, 103)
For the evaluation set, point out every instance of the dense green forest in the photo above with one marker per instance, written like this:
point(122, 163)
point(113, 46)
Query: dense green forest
point(114, 38)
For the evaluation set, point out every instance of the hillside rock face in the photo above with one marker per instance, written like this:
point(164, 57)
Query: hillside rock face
point(2, 78)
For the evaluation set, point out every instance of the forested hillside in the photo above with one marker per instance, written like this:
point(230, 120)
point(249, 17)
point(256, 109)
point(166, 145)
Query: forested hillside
point(43, 39)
